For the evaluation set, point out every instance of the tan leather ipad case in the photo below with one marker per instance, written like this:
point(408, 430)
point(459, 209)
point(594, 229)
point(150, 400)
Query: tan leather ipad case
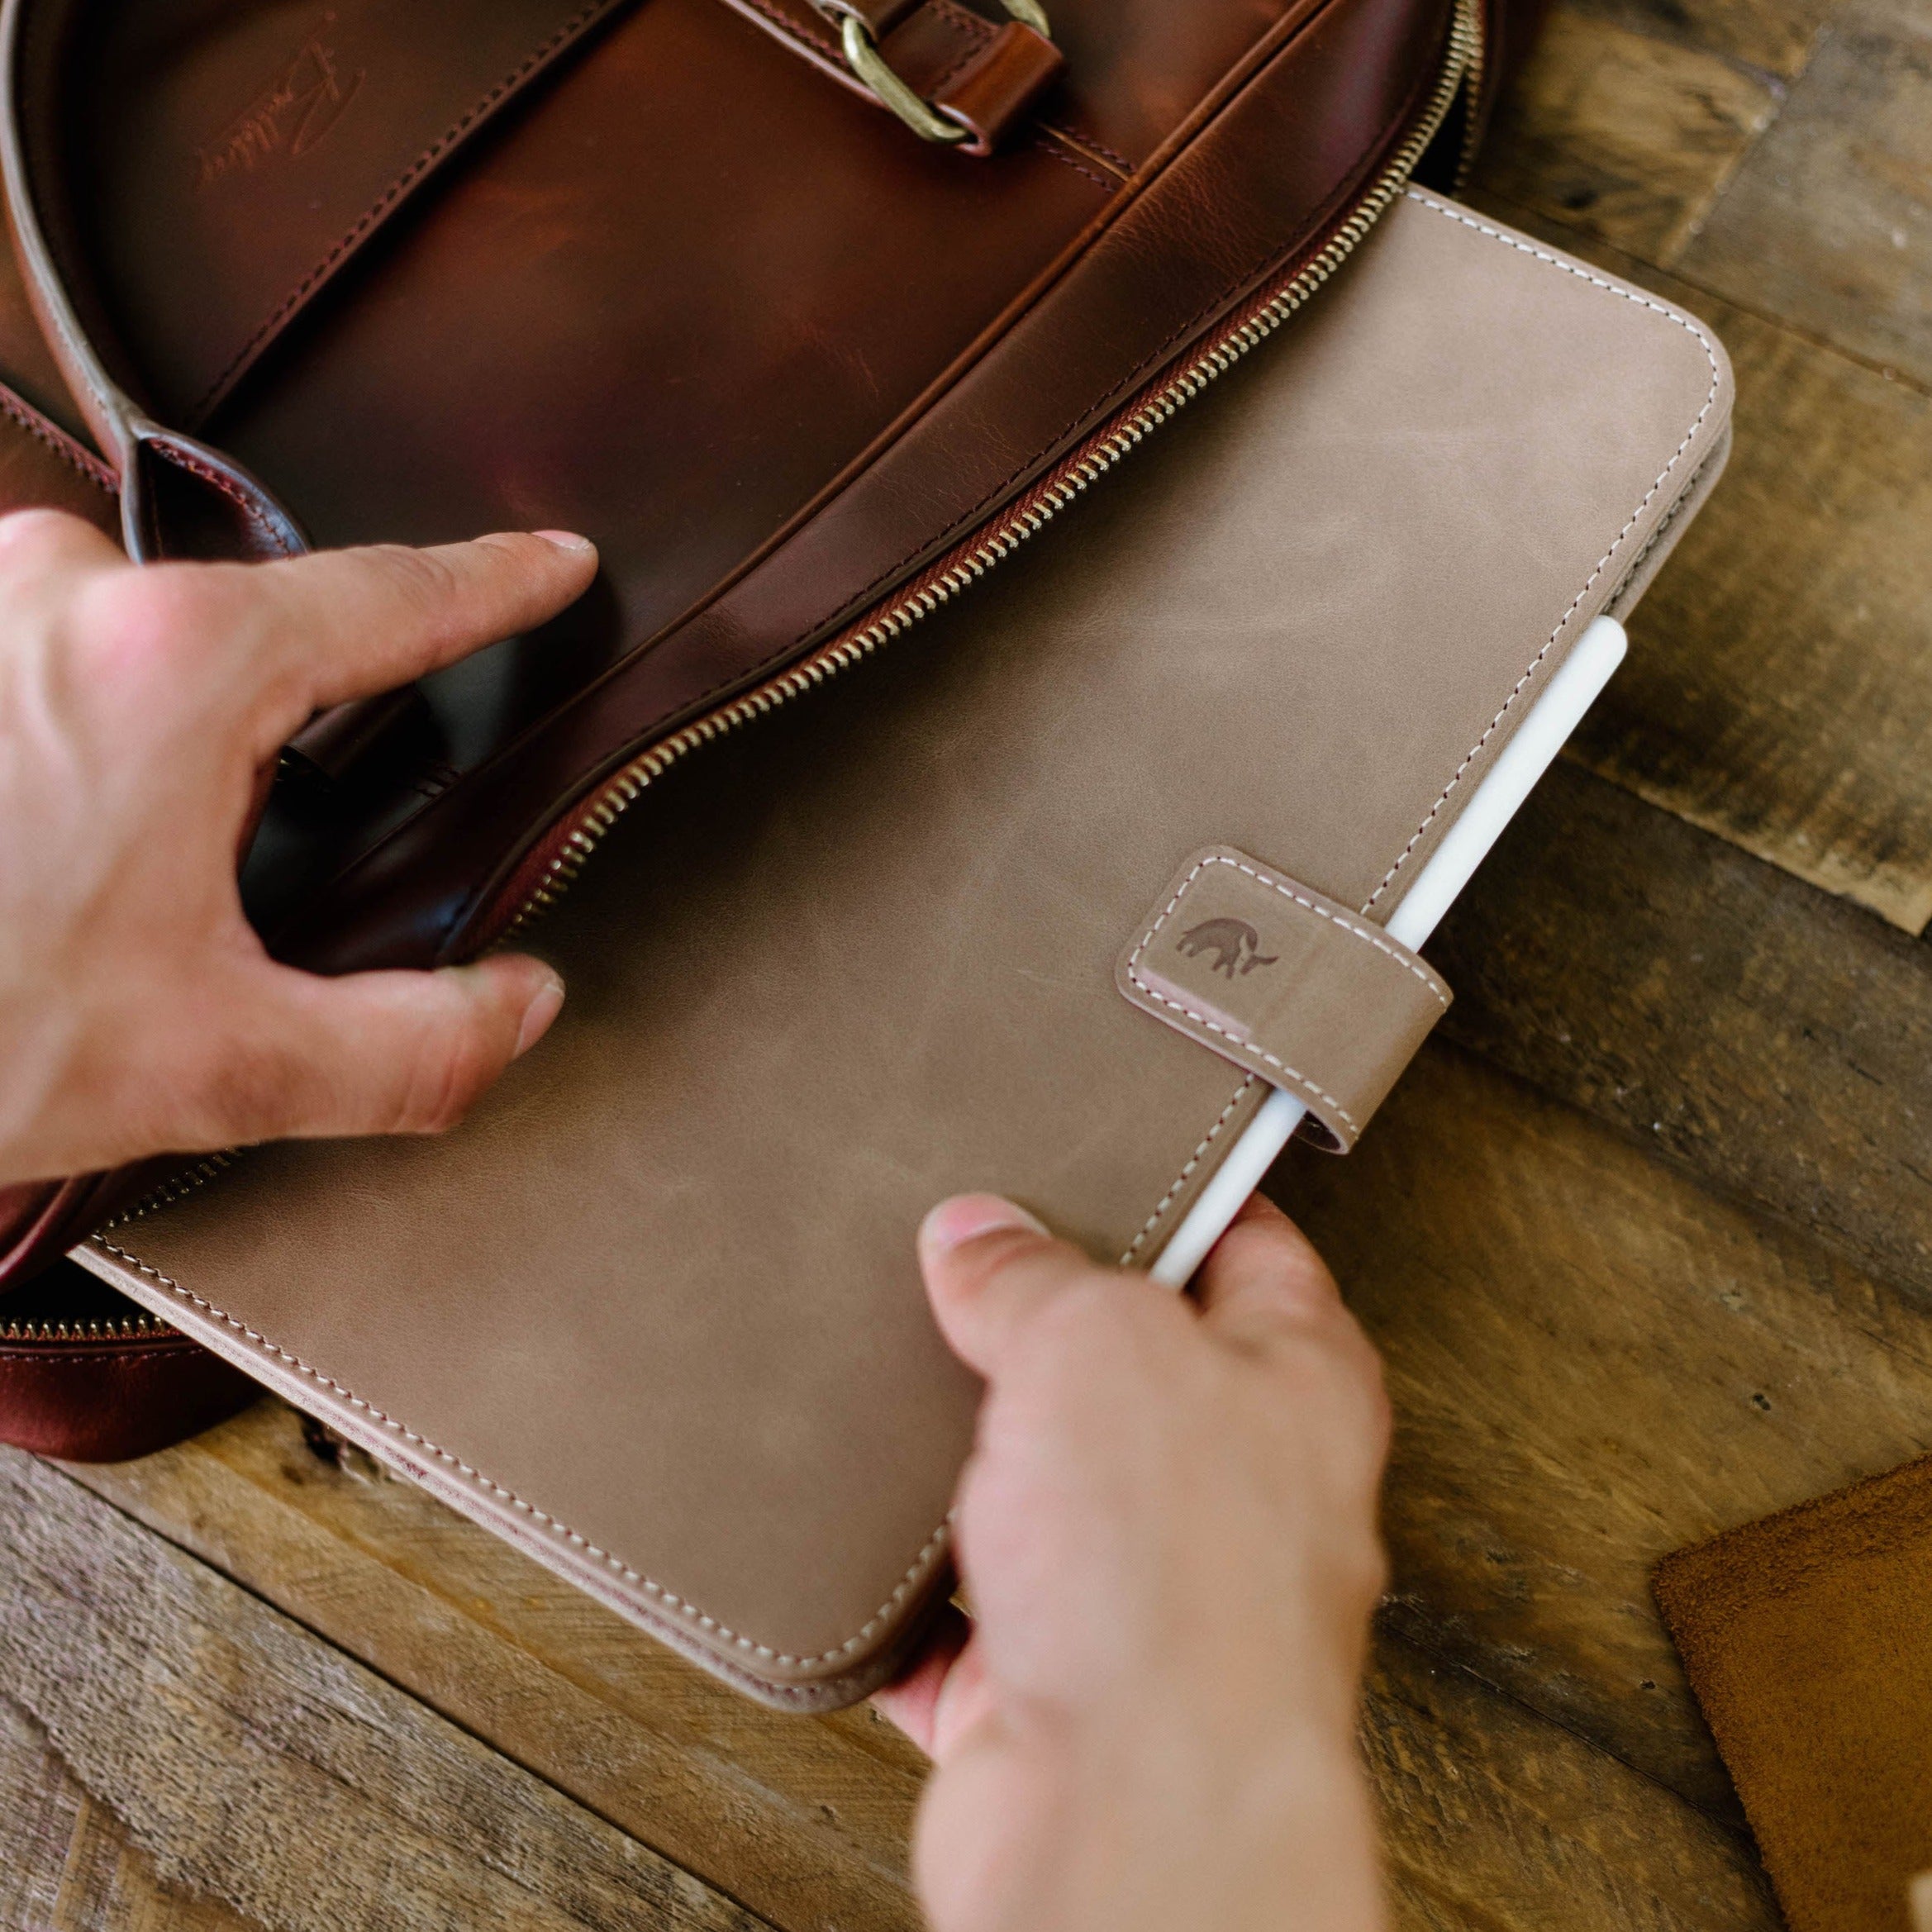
point(653, 1311)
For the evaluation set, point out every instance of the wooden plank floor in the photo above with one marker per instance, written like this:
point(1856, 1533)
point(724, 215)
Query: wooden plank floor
point(1646, 1238)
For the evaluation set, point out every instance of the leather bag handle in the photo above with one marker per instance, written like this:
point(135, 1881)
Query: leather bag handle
point(179, 496)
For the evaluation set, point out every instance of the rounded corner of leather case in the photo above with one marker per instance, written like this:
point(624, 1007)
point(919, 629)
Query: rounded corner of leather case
point(811, 1685)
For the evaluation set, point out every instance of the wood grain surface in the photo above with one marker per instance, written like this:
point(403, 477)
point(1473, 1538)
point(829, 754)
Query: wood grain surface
point(1493, 1818)
point(1772, 1041)
point(1767, 165)
point(805, 1819)
point(255, 1765)
point(71, 1864)
point(1779, 690)
point(447, 1613)
point(1645, 1237)
point(1827, 223)
point(1592, 1361)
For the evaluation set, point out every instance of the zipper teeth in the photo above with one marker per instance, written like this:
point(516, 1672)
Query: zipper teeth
point(132, 1328)
point(1475, 67)
point(1463, 64)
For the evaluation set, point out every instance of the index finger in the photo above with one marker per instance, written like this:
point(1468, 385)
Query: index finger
point(344, 624)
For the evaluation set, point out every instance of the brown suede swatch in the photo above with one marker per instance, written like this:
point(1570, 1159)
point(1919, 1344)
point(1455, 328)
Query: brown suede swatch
point(1808, 1640)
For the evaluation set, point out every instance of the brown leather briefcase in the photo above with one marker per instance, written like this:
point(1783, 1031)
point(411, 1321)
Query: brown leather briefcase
point(808, 317)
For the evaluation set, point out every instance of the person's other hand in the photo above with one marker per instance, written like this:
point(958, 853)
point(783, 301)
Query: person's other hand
point(1167, 1533)
point(139, 710)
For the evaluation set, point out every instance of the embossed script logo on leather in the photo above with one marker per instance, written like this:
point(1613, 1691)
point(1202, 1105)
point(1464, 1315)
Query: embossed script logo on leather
point(293, 112)
point(1235, 944)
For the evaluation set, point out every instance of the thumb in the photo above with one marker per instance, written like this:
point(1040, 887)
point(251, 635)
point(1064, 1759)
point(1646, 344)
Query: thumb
point(990, 1267)
point(385, 1053)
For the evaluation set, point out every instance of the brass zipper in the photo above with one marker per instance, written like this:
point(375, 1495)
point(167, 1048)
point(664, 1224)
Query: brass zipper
point(1462, 67)
point(131, 1328)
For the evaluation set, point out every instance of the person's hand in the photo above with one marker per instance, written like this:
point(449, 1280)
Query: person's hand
point(1167, 1533)
point(139, 710)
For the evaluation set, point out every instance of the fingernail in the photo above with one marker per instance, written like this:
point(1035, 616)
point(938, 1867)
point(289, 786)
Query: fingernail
point(566, 539)
point(545, 1005)
point(967, 1217)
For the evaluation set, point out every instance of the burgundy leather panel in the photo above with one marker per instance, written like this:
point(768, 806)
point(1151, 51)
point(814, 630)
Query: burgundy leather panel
point(1138, 72)
point(994, 91)
point(231, 159)
point(1233, 212)
point(42, 465)
point(26, 367)
point(110, 1401)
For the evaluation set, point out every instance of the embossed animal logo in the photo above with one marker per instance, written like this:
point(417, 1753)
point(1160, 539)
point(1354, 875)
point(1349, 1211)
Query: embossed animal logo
point(1235, 944)
point(289, 116)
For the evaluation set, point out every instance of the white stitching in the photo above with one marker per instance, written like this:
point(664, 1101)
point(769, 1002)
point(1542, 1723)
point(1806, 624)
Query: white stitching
point(1287, 892)
point(1167, 1200)
point(914, 1575)
point(1641, 301)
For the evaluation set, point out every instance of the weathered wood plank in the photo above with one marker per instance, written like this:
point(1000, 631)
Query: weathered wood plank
point(259, 1767)
point(1621, 136)
point(1476, 1791)
point(1772, 37)
point(1778, 690)
point(1781, 691)
point(67, 1863)
point(805, 1820)
point(1773, 1040)
point(1592, 1361)
point(1494, 1817)
point(1828, 221)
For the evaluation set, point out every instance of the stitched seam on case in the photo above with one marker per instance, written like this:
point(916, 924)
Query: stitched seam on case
point(1194, 1160)
point(1247, 1047)
point(1657, 536)
point(1640, 301)
point(979, 36)
point(1710, 401)
point(1099, 147)
point(920, 1565)
point(16, 409)
point(390, 196)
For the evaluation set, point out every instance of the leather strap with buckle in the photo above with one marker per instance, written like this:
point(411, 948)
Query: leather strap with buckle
point(982, 100)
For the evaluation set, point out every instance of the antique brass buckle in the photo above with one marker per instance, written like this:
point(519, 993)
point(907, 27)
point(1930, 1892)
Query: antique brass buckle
point(870, 68)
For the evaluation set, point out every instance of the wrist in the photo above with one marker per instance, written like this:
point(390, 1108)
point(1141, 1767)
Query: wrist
point(1181, 1821)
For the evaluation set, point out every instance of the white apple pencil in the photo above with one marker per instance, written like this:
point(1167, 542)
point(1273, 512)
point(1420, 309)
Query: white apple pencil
point(1571, 691)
